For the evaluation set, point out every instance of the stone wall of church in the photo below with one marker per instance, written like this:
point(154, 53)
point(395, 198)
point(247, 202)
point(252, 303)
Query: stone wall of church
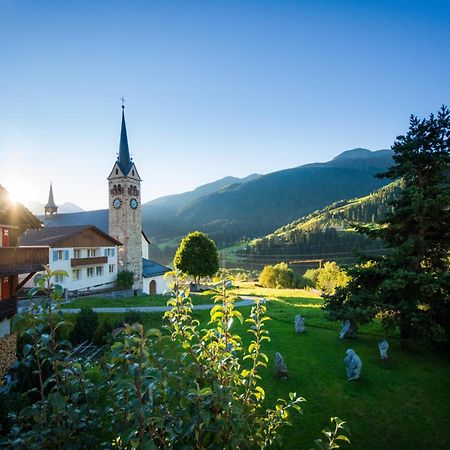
point(125, 224)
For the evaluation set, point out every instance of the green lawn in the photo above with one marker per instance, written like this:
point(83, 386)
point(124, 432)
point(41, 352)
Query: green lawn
point(141, 300)
point(403, 403)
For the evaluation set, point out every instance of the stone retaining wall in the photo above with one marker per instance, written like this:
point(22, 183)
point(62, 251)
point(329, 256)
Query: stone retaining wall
point(8, 345)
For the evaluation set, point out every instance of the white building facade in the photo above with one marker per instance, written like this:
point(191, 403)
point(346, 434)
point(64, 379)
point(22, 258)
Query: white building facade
point(88, 256)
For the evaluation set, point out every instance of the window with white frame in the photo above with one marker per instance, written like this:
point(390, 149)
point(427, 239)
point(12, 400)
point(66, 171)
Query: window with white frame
point(99, 270)
point(90, 272)
point(111, 268)
point(77, 253)
point(76, 274)
point(91, 252)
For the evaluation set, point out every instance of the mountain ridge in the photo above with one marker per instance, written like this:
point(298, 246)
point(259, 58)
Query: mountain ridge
point(254, 208)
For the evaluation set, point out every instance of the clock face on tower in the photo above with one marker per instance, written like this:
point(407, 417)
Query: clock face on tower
point(117, 203)
point(133, 203)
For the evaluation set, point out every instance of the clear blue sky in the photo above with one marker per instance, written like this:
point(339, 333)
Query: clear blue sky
point(212, 88)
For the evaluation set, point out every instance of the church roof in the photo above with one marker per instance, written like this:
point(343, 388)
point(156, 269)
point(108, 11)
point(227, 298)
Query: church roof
point(98, 218)
point(124, 159)
point(51, 201)
point(152, 268)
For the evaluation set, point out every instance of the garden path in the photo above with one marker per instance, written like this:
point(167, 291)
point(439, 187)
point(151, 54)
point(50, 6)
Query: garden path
point(246, 301)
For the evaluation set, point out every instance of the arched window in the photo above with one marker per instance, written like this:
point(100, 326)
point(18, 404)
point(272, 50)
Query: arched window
point(119, 189)
point(117, 171)
point(152, 287)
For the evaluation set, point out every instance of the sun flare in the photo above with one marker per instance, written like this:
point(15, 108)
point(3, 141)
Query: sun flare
point(19, 189)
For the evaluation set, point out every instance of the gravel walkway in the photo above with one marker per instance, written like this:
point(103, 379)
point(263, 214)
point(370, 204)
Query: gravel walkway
point(246, 301)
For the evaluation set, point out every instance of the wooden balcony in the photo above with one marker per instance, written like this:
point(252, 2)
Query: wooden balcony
point(8, 308)
point(77, 262)
point(17, 260)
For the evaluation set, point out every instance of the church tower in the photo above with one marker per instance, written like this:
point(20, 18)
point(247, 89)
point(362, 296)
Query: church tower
point(125, 209)
point(50, 208)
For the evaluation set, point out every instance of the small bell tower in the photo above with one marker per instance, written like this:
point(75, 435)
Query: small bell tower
point(124, 186)
point(50, 208)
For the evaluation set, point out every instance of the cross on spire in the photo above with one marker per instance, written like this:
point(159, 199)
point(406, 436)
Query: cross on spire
point(123, 102)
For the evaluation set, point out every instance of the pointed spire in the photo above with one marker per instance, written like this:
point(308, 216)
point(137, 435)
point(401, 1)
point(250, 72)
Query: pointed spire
point(124, 159)
point(50, 207)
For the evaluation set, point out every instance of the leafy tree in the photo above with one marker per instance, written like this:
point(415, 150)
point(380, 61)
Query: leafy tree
point(197, 256)
point(410, 286)
point(331, 276)
point(278, 276)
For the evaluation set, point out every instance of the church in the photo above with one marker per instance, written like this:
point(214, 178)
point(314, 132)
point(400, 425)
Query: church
point(121, 222)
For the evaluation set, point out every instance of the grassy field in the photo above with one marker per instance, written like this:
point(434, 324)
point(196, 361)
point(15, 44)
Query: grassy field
point(140, 300)
point(403, 403)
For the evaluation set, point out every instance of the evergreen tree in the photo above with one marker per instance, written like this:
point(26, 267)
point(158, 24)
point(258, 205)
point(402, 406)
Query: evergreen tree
point(410, 286)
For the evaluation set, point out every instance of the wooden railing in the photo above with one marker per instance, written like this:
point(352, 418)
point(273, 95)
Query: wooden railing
point(16, 260)
point(76, 262)
point(7, 308)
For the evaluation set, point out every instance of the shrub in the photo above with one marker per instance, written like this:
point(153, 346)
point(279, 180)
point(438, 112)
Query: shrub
point(125, 279)
point(86, 324)
point(330, 277)
point(103, 332)
point(310, 277)
point(278, 276)
point(132, 316)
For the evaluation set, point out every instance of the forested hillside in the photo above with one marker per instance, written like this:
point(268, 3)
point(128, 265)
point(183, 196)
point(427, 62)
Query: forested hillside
point(253, 208)
point(325, 234)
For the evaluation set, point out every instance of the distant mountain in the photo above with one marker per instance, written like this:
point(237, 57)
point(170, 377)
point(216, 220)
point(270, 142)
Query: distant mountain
point(254, 208)
point(69, 207)
point(37, 208)
point(158, 215)
point(176, 201)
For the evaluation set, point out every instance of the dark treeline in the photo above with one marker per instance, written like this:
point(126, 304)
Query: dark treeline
point(326, 234)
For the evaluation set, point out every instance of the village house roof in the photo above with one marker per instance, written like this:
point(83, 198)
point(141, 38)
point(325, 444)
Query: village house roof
point(98, 218)
point(153, 269)
point(52, 236)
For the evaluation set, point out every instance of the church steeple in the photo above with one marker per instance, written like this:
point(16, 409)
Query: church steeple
point(50, 207)
point(124, 159)
point(125, 224)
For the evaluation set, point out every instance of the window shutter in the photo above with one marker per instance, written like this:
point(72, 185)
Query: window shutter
point(66, 254)
point(55, 255)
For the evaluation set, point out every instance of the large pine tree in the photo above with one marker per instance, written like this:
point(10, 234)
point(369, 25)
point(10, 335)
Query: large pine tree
point(410, 286)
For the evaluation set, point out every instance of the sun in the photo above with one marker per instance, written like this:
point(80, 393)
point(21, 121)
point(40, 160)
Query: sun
point(20, 190)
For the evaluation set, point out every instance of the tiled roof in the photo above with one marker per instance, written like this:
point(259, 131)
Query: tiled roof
point(152, 268)
point(52, 235)
point(98, 218)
